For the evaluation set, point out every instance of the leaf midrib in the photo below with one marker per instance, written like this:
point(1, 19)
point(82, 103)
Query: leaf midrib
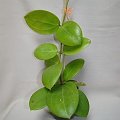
point(43, 29)
point(44, 22)
point(64, 103)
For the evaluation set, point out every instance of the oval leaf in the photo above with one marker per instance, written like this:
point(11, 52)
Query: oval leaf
point(42, 21)
point(52, 61)
point(38, 99)
point(68, 50)
point(45, 51)
point(69, 34)
point(72, 69)
point(62, 100)
point(51, 75)
point(83, 106)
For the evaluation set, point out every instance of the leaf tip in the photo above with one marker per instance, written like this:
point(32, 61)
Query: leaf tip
point(25, 17)
point(30, 107)
point(46, 86)
point(49, 88)
point(89, 41)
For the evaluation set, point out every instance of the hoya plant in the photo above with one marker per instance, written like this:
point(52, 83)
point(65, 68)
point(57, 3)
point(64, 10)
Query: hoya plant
point(61, 93)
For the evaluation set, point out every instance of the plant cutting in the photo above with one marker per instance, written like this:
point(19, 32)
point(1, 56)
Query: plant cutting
point(61, 93)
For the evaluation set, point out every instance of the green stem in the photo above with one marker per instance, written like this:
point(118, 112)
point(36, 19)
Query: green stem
point(62, 56)
point(64, 15)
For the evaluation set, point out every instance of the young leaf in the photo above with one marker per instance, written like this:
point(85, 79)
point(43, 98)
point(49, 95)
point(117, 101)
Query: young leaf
point(42, 21)
point(72, 69)
point(62, 100)
point(52, 61)
point(68, 50)
point(83, 106)
point(69, 34)
point(45, 51)
point(77, 83)
point(38, 99)
point(51, 75)
point(80, 84)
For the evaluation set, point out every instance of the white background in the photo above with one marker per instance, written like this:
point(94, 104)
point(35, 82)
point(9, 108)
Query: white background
point(20, 72)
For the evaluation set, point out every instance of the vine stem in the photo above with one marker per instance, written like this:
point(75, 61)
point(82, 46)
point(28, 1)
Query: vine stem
point(62, 56)
point(64, 15)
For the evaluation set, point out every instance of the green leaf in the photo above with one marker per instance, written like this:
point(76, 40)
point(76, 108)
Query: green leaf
point(45, 51)
point(38, 99)
point(72, 69)
point(80, 84)
point(69, 34)
point(68, 50)
point(62, 100)
point(83, 106)
point(52, 61)
point(42, 21)
point(51, 75)
point(77, 83)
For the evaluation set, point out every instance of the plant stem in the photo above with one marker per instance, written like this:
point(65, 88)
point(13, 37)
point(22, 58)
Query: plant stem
point(64, 15)
point(62, 56)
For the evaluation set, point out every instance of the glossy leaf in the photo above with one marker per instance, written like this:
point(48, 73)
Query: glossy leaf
point(72, 69)
point(62, 100)
point(42, 21)
point(51, 75)
point(45, 51)
point(69, 34)
point(83, 106)
point(38, 99)
point(68, 50)
point(52, 61)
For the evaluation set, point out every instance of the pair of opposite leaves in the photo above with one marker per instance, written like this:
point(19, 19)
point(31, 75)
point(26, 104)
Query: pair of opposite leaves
point(54, 71)
point(59, 100)
point(70, 33)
